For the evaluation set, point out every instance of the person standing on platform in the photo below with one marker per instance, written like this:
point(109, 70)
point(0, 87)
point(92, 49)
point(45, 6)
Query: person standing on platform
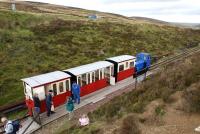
point(70, 107)
point(37, 104)
point(49, 103)
point(76, 92)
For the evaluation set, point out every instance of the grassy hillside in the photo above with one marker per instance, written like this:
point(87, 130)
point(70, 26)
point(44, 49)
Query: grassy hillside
point(119, 116)
point(40, 38)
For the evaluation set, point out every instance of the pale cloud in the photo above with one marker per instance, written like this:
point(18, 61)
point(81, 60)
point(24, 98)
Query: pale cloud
point(167, 10)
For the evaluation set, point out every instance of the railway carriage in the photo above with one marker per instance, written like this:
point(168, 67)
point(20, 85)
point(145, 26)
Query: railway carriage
point(92, 77)
point(123, 66)
point(57, 81)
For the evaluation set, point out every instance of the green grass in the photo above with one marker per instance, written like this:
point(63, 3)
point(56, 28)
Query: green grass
point(17, 114)
point(32, 44)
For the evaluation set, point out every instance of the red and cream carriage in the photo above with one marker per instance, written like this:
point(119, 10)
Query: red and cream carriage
point(92, 77)
point(57, 81)
point(123, 66)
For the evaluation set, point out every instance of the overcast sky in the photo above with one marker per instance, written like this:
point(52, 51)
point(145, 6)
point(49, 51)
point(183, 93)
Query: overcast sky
point(167, 10)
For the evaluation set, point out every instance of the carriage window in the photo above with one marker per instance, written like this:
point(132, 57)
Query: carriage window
point(121, 67)
point(93, 76)
point(61, 88)
point(97, 75)
point(67, 85)
point(84, 79)
point(101, 74)
point(54, 89)
point(79, 80)
point(107, 72)
point(88, 75)
point(131, 64)
point(126, 64)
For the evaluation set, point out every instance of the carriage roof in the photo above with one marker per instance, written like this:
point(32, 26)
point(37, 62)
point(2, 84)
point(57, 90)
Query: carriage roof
point(89, 67)
point(121, 58)
point(45, 78)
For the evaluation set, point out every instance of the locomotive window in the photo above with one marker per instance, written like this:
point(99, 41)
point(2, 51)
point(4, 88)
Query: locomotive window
point(84, 79)
point(61, 88)
point(97, 75)
point(121, 67)
point(54, 89)
point(67, 85)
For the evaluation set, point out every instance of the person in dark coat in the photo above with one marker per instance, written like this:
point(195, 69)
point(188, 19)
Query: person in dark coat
point(49, 102)
point(76, 92)
point(37, 105)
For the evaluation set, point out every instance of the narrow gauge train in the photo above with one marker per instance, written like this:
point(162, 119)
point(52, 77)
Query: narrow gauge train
point(90, 77)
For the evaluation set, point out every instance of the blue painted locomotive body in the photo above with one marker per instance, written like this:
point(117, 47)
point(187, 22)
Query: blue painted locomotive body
point(143, 62)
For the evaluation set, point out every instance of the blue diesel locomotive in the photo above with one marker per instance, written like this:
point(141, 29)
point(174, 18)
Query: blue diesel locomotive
point(143, 63)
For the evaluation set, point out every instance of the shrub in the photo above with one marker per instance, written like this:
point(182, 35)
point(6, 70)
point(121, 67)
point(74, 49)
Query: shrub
point(130, 125)
point(159, 111)
point(192, 97)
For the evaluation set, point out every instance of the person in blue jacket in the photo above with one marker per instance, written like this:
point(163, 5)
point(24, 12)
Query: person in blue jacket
point(76, 92)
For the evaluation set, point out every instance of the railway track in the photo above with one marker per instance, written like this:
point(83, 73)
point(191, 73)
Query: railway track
point(185, 53)
point(165, 61)
point(12, 107)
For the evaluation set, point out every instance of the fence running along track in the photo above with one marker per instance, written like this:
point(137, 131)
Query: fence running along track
point(165, 61)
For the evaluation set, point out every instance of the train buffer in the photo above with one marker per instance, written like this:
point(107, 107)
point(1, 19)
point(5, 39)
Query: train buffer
point(85, 100)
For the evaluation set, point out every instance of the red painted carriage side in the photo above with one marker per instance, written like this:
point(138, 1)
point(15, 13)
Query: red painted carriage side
point(125, 74)
point(61, 98)
point(87, 89)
